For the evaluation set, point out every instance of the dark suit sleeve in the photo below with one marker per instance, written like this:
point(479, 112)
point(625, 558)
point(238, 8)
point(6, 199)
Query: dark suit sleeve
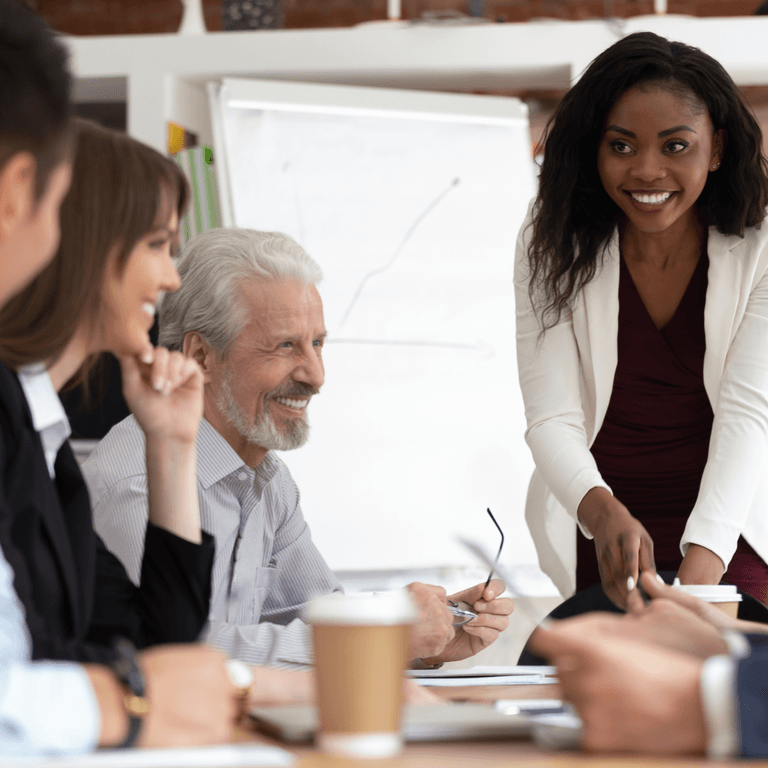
point(171, 603)
point(752, 692)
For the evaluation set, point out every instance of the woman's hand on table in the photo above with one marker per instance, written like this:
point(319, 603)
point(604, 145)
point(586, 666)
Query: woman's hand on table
point(192, 699)
point(164, 391)
point(622, 545)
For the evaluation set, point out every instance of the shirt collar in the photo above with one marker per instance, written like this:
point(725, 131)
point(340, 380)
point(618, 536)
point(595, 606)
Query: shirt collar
point(48, 416)
point(217, 459)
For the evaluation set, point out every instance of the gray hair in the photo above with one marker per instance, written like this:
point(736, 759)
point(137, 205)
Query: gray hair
point(212, 265)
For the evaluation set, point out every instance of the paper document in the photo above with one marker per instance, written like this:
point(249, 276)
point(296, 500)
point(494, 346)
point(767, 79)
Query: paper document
point(465, 682)
point(256, 755)
point(484, 672)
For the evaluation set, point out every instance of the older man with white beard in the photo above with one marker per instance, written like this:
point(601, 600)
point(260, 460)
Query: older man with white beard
point(250, 313)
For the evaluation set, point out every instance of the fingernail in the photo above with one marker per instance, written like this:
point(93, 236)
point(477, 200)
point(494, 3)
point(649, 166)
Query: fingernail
point(630, 583)
point(147, 357)
point(158, 385)
point(659, 579)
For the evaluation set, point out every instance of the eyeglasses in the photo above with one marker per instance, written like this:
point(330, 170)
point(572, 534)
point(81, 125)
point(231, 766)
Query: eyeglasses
point(462, 610)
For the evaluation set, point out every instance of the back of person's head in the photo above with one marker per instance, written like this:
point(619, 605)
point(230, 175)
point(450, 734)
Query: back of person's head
point(574, 215)
point(34, 91)
point(212, 265)
point(121, 190)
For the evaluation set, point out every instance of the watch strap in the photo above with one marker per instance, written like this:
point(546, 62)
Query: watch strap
point(126, 670)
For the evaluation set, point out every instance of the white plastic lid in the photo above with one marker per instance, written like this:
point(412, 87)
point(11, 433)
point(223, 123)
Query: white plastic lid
point(711, 593)
point(383, 608)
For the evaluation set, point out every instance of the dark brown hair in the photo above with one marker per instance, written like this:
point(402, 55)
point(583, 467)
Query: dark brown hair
point(121, 190)
point(34, 92)
point(573, 216)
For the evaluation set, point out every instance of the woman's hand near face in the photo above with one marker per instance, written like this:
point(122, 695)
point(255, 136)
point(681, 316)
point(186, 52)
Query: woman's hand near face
point(622, 545)
point(165, 395)
point(166, 398)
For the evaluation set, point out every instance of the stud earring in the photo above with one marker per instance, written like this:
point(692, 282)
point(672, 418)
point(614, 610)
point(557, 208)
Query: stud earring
point(715, 166)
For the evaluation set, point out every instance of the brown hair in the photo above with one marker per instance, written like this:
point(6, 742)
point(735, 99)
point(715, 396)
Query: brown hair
point(121, 190)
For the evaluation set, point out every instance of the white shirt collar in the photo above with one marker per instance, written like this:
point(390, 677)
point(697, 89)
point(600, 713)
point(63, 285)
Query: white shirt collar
point(48, 416)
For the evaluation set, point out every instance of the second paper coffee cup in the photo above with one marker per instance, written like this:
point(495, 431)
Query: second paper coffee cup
point(724, 596)
point(361, 649)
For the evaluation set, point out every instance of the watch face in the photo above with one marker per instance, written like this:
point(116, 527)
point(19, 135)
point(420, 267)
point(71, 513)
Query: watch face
point(136, 706)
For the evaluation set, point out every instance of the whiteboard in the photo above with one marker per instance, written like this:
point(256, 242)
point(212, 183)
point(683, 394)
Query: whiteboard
point(411, 203)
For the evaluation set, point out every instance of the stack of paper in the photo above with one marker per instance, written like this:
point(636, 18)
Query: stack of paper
point(484, 676)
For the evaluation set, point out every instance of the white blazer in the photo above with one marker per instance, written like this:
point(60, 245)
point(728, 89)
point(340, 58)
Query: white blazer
point(566, 378)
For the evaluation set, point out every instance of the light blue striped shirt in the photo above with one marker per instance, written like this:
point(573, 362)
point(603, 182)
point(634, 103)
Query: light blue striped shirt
point(46, 707)
point(266, 567)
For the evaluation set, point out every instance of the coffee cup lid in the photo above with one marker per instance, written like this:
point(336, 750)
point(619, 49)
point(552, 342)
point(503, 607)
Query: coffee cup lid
point(711, 593)
point(363, 608)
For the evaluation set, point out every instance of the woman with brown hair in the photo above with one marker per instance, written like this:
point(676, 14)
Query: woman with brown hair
point(119, 225)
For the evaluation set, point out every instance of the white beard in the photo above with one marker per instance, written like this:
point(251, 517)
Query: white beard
point(263, 432)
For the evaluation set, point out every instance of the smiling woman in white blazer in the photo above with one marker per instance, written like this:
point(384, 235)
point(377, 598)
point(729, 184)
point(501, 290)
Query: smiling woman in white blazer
point(567, 332)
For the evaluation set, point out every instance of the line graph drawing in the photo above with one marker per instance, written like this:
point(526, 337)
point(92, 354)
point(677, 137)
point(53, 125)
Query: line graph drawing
point(380, 270)
point(413, 220)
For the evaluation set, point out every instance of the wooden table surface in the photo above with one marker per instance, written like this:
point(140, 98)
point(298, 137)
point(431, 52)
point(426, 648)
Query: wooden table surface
point(498, 754)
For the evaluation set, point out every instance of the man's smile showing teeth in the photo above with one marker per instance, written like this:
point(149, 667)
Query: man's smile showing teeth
point(653, 199)
point(292, 403)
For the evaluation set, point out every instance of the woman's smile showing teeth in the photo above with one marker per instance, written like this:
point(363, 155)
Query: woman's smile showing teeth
point(652, 198)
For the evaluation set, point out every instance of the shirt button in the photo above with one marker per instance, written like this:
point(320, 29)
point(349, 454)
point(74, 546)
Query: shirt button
point(242, 476)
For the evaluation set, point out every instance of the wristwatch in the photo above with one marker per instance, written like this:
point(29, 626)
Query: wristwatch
point(127, 671)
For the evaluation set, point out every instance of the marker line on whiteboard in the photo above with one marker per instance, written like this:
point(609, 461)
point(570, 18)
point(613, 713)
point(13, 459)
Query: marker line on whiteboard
point(423, 215)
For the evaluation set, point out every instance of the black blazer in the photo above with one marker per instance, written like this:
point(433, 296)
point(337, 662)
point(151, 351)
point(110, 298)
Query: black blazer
point(76, 594)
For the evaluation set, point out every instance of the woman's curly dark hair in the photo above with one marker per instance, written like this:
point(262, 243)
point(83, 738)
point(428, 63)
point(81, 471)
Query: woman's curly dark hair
point(573, 216)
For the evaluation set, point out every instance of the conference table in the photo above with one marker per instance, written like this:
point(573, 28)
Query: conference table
point(495, 754)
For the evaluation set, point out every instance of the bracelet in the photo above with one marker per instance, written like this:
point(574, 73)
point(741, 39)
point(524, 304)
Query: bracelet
point(127, 671)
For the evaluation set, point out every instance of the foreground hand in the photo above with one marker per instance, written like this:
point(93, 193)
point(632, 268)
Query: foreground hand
point(165, 395)
point(631, 696)
point(662, 623)
point(191, 695)
point(622, 545)
point(657, 591)
point(492, 618)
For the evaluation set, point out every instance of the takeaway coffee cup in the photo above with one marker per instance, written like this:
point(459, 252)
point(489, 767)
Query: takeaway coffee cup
point(724, 596)
point(361, 649)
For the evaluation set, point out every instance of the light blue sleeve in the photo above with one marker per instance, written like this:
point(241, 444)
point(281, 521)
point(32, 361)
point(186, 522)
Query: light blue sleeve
point(46, 707)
